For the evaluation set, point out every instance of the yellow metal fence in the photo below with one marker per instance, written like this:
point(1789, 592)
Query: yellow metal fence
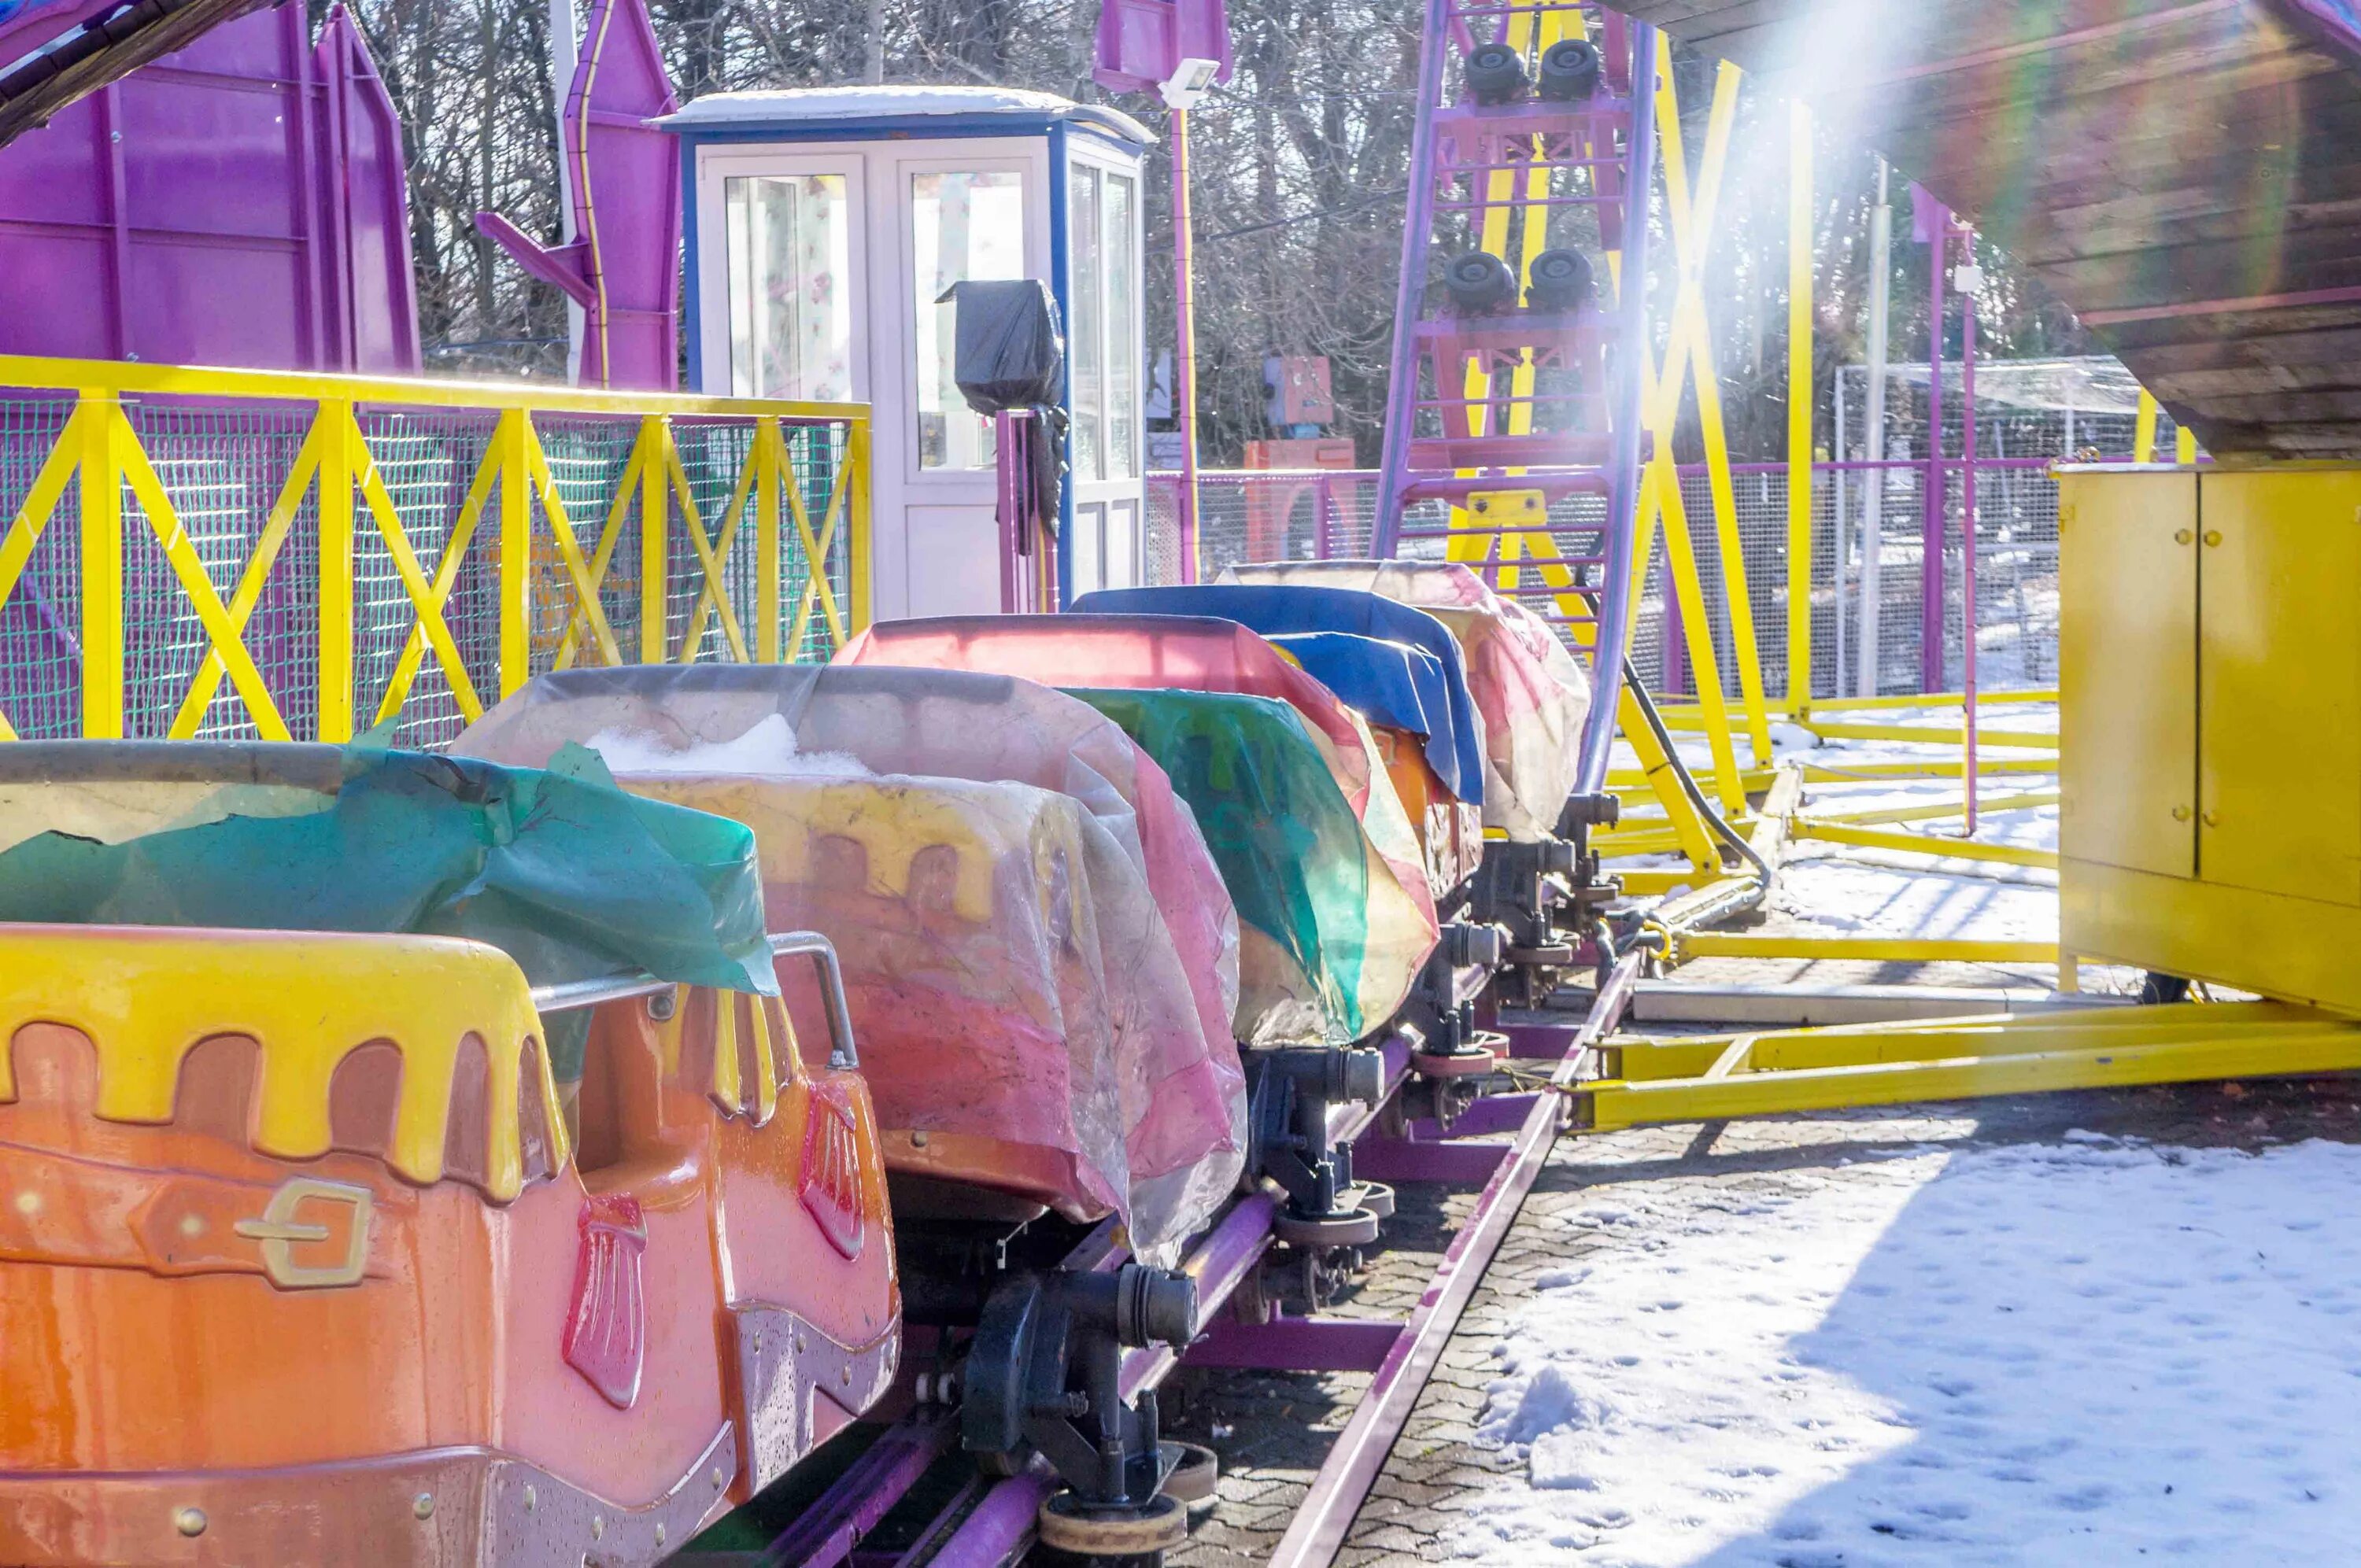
point(248, 553)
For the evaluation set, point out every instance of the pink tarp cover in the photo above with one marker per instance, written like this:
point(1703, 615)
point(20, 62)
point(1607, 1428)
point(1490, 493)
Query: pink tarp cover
point(1114, 1036)
point(1177, 652)
point(1534, 697)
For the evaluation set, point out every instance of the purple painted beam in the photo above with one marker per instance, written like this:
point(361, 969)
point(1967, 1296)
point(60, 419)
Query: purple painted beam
point(1296, 1345)
point(1141, 43)
point(1001, 1524)
point(825, 1534)
point(1453, 1164)
point(1487, 1116)
point(1538, 1042)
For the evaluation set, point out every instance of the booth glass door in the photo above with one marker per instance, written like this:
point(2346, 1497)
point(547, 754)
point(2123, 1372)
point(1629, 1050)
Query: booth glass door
point(1105, 347)
point(962, 217)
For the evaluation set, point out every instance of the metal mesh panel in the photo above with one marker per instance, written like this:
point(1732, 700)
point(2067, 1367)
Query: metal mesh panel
point(2017, 555)
point(41, 651)
point(223, 466)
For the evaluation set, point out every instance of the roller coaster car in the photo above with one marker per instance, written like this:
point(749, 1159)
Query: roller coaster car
point(1033, 1035)
point(1142, 653)
point(303, 1261)
point(1331, 939)
point(1539, 881)
point(1402, 671)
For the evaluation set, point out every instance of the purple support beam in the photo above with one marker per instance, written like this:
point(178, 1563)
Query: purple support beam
point(1538, 1042)
point(1623, 503)
point(1344, 1482)
point(1968, 526)
point(1937, 221)
point(1002, 1523)
point(1296, 1345)
point(1487, 1116)
point(1455, 1165)
point(1409, 291)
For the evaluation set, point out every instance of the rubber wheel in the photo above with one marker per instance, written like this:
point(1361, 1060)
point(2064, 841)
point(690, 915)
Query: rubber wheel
point(1347, 1227)
point(1196, 1472)
point(1475, 1063)
point(1374, 1196)
point(1066, 1526)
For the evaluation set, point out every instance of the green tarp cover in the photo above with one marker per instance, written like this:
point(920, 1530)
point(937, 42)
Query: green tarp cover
point(1286, 841)
point(567, 873)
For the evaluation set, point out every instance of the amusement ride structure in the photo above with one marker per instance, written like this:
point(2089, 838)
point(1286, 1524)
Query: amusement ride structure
point(568, 1024)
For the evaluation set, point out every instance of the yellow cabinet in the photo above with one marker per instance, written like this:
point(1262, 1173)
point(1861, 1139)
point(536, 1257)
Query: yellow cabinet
point(2278, 696)
point(2210, 724)
point(2127, 644)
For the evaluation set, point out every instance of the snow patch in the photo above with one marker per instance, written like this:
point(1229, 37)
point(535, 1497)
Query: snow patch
point(2093, 1350)
point(769, 748)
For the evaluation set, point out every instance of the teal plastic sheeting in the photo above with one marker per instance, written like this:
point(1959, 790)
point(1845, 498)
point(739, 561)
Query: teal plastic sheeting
point(558, 868)
point(1288, 846)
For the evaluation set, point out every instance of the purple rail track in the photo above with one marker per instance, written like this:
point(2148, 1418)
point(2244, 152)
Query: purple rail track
point(988, 1524)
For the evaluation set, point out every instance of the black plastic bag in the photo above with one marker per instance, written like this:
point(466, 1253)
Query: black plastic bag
point(1011, 350)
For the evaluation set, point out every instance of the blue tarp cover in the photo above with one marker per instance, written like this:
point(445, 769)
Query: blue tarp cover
point(1388, 686)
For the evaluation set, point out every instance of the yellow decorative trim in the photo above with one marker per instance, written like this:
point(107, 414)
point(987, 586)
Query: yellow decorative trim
point(145, 997)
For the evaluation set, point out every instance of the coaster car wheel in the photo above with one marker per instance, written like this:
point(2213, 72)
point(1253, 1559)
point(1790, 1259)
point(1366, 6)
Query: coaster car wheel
point(1065, 1525)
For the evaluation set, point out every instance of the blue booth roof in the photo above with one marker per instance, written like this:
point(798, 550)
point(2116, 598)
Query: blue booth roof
point(1399, 666)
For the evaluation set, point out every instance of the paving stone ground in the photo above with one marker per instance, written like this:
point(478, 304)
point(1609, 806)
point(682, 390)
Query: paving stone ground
point(1274, 1430)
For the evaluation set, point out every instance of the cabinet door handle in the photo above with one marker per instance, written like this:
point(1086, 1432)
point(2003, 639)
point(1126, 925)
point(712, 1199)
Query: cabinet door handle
point(2182, 536)
point(2181, 814)
point(2212, 536)
point(2211, 820)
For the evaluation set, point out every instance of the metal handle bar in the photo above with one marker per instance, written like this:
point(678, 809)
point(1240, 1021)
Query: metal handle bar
point(842, 1055)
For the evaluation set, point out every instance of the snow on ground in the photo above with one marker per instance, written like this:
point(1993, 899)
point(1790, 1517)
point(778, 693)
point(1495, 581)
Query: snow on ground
point(2090, 1352)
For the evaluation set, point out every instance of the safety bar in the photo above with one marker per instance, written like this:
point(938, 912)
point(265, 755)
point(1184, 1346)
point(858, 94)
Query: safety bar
point(842, 1055)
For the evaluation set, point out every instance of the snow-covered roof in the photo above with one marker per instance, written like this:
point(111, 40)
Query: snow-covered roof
point(798, 106)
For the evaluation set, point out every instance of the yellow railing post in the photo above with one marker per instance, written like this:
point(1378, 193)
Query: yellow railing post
point(2144, 429)
point(338, 464)
point(102, 566)
point(1799, 409)
point(771, 469)
point(655, 517)
point(511, 439)
point(857, 454)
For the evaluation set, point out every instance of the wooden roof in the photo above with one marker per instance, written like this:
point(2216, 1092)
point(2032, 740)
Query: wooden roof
point(2185, 175)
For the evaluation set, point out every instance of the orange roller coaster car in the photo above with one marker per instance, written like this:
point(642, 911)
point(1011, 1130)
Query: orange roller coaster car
point(300, 1262)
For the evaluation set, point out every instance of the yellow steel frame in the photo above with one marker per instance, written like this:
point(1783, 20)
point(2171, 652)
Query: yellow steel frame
point(1799, 409)
point(1924, 844)
point(1871, 949)
point(99, 453)
point(1709, 1077)
point(1932, 734)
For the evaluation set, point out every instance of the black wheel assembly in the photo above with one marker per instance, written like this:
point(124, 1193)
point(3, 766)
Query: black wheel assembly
point(1495, 73)
point(1480, 283)
point(1569, 70)
point(1560, 280)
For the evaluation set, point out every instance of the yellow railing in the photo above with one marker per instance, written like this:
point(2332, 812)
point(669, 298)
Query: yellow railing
point(146, 560)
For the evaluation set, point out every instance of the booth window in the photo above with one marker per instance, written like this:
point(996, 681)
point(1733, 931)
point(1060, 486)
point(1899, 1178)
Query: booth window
point(964, 224)
point(790, 265)
point(1088, 358)
point(1106, 328)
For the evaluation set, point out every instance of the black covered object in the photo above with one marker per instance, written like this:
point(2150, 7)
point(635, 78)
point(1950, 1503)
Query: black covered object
point(1011, 349)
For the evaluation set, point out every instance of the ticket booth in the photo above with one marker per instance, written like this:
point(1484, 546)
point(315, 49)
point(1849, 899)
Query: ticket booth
point(823, 227)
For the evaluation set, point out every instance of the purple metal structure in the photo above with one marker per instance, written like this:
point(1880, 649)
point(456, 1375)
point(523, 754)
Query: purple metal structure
point(1505, 144)
point(240, 202)
point(55, 53)
point(1142, 42)
point(986, 1525)
point(624, 178)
